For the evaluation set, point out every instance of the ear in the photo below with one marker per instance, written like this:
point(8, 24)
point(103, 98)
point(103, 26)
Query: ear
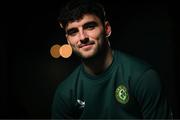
point(68, 42)
point(67, 39)
point(107, 29)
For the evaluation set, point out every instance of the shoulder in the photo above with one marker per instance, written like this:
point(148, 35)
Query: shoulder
point(134, 68)
point(69, 82)
point(138, 72)
point(130, 62)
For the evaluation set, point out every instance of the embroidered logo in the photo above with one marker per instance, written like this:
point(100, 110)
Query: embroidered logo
point(81, 103)
point(121, 94)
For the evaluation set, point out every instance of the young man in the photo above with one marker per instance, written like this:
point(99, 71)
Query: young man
point(108, 83)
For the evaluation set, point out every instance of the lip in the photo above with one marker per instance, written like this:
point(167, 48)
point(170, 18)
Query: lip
point(86, 46)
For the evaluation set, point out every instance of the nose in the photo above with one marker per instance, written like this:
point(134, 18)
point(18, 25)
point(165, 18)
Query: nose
point(82, 35)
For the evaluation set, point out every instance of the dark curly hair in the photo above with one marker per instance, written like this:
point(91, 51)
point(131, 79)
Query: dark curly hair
point(75, 9)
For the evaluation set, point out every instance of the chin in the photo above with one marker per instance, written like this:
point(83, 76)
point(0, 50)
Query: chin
point(89, 55)
point(86, 56)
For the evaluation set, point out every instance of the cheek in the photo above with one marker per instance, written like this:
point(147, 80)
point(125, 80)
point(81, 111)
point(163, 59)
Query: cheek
point(98, 35)
point(72, 41)
point(74, 44)
point(95, 35)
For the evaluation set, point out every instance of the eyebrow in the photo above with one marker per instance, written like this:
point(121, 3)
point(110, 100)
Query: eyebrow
point(90, 23)
point(69, 31)
point(84, 26)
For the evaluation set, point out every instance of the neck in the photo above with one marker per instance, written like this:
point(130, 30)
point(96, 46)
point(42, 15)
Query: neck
point(100, 63)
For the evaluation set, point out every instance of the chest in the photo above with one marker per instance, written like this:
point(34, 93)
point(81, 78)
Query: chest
point(110, 98)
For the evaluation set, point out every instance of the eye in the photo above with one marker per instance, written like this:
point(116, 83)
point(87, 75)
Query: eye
point(72, 32)
point(90, 26)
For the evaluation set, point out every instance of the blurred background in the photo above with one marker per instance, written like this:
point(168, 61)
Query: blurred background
point(30, 75)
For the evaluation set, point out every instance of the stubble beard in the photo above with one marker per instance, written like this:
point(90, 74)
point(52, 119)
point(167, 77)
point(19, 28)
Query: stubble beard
point(98, 52)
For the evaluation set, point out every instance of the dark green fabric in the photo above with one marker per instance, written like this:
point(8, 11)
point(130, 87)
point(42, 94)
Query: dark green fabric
point(146, 98)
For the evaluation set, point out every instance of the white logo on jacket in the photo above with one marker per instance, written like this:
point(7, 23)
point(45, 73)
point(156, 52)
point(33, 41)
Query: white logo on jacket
point(81, 103)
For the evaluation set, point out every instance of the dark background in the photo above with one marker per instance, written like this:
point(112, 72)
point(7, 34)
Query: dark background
point(29, 75)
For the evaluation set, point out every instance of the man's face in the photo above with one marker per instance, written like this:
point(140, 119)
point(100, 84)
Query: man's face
point(87, 35)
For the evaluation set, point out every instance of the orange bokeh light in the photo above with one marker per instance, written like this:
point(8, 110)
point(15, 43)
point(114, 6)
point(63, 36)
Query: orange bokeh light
point(65, 51)
point(55, 51)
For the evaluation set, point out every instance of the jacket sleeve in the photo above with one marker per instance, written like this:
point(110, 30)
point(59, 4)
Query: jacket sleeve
point(149, 93)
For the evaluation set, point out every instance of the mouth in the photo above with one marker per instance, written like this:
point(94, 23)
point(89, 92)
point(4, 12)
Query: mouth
point(85, 45)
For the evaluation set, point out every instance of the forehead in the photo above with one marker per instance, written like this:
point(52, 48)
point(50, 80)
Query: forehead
point(85, 19)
